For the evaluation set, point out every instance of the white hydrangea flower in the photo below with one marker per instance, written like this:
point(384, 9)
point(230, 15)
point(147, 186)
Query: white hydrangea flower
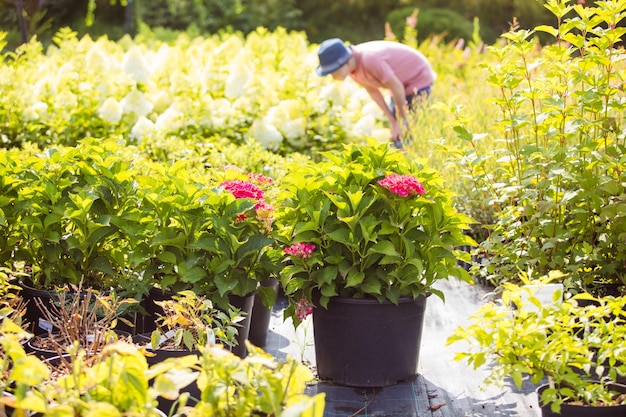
point(221, 113)
point(332, 93)
point(65, 100)
point(142, 129)
point(266, 134)
point(45, 86)
point(238, 77)
point(36, 111)
point(67, 70)
point(160, 100)
point(110, 110)
point(245, 105)
point(364, 126)
point(294, 129)
point(288, 116)
point(135, 65)
point(170, 120)
point(85, 87)
point(135, 102)
point(97, 59)
point(295, 132)
point(367, 126)
point(381, 134)
point(372, 109)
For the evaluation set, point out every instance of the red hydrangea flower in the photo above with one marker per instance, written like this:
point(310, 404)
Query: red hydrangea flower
point(243, 189)
point(300, 249)
point(402, 185)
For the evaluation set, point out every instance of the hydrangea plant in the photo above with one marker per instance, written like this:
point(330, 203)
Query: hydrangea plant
point(367, 223)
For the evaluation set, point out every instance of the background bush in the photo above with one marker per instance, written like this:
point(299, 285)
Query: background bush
point(355, 21)
point(446, 22)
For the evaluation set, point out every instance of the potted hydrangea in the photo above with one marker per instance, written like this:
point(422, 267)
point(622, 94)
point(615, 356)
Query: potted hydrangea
point(369, 231)
point(221, 244)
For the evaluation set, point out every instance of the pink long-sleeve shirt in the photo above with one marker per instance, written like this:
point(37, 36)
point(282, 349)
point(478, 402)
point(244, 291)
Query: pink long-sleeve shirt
point(377, 61)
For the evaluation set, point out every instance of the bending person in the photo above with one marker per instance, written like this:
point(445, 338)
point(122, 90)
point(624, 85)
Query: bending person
point(376, 65)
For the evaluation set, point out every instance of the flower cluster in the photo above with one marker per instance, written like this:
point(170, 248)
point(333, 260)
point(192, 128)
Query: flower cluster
point(265, 214)
point(303, 309)
point(260, 179)
point(300, 249)
point(402, 185)
point(243, 189)
point(264, 211)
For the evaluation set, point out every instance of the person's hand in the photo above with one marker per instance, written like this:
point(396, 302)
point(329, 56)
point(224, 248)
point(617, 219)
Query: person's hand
point(396, 131)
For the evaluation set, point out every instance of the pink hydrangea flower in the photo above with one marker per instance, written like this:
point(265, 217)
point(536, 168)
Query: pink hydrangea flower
point(260, 179)
point(243, 189)
point(303, 309)
point(402, 185)
point(265, 214)
point(230, 168)
point(300, 249)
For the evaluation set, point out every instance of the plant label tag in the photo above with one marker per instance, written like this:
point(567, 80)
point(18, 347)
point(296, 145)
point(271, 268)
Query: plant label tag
point(165, 337)
point(44, 325)
point(210, 336)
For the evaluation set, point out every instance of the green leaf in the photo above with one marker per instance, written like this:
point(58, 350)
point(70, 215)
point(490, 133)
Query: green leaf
point(29, 370)
point(354, 278)
point(384, 247)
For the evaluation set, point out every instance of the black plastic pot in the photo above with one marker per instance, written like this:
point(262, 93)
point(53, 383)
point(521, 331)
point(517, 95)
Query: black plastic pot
point(364, 343)
point(245, 304)
point(574, 410)
point(261, 316)
point(35, 321)
point(168, 406)
point(44, 354)
point(148, 322)
point(33, 318)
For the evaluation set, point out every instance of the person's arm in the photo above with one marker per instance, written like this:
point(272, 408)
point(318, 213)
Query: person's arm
point(396, 88)
point(377, 96)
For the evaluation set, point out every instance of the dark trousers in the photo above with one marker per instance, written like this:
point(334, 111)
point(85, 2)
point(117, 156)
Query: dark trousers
point(421, 93)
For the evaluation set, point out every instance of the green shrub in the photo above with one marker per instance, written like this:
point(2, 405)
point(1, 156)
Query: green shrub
point(432, 22)
point(558, 176)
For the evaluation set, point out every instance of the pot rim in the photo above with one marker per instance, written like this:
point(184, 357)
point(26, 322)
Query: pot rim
point(366, 301)
point(622, 389)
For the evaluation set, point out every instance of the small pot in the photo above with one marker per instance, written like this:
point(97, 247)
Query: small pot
point(575, 410)
point(168, 406)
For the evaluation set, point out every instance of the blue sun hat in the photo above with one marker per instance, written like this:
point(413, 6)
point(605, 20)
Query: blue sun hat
point(333, 54)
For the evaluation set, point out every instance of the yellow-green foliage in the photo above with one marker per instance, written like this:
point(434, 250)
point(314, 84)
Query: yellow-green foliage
point(498, 121)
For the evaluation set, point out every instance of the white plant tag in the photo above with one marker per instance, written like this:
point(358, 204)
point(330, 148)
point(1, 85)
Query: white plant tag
point(165, 337)
point(210, 336)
